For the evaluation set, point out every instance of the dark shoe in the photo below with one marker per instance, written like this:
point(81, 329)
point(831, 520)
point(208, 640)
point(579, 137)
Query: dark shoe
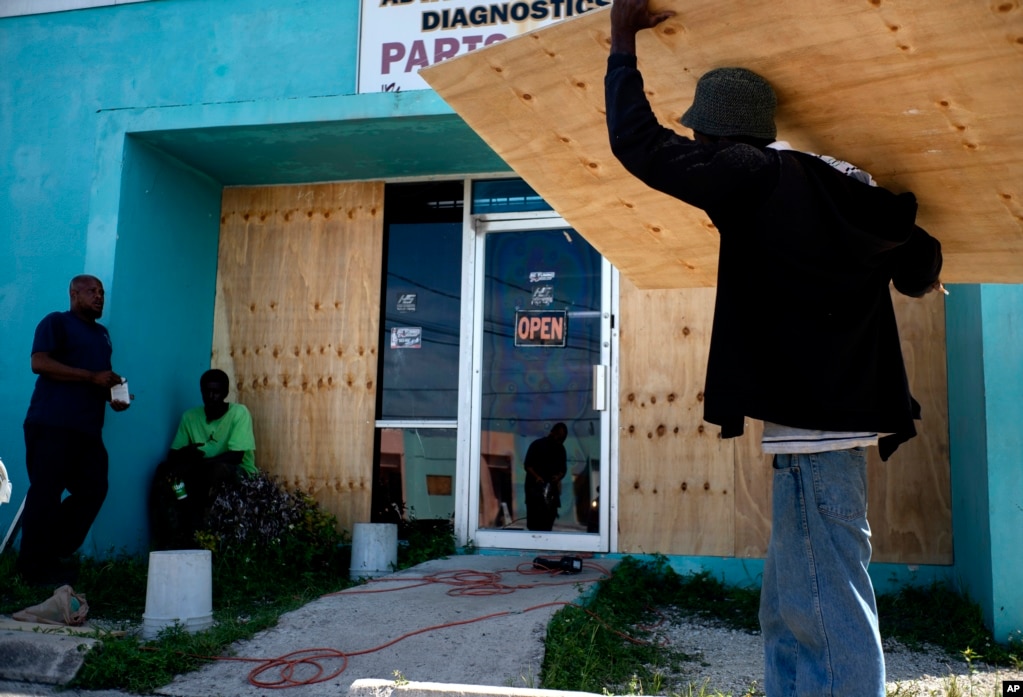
point(53, 576)
point(67, 571)
point(50, 579)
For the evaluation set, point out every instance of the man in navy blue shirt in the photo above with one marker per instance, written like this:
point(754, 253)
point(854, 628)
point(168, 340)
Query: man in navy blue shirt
point(64, 448)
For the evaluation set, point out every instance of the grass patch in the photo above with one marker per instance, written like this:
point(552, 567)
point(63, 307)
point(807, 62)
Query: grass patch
point(939, 616)
point(423, 540)
point(252, 588)
point(263, 566)
point(606, 647)
point(593, 652)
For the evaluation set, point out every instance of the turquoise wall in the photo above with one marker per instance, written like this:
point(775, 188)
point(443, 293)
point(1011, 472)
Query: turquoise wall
point(80, 196)
point(967, 414)
point(162, 292)
point(1003, 359)
point(985, 357)
point(119, 127)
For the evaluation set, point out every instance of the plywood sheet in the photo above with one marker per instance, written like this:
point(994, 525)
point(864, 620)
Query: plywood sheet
point(675, 472)
point(911, 494)
point(909, 506)
point(925, 95)
point(684, 490)
point(754, 481)
point(296, 327)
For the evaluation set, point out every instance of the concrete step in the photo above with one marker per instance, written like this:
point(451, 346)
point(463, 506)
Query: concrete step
point(42, 653)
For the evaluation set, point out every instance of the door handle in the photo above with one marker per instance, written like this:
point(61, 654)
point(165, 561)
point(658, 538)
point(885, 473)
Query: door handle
point(600, 387)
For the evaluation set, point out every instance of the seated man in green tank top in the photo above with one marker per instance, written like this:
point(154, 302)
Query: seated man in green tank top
point(214, 445)
point(220, 431)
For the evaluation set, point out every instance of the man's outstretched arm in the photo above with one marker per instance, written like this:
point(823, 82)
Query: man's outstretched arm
point(628, 18)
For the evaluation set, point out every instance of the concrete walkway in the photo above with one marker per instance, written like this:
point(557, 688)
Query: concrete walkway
point(469, 622)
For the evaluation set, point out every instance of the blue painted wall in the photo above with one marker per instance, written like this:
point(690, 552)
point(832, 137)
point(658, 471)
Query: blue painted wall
point(985, 360)
point(967, 414)
point(79, 194)
point(162, 293)
point(1002, 312)
point(119, 126)
point(1003, 358)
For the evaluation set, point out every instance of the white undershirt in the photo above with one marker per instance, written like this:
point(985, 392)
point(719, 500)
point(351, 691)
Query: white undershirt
point(786, 439)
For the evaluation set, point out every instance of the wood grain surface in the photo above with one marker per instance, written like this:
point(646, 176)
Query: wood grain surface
point(296, 327)
point(927, 96)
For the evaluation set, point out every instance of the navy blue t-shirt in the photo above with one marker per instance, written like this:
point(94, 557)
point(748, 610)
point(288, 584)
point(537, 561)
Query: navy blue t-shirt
point(79, 406)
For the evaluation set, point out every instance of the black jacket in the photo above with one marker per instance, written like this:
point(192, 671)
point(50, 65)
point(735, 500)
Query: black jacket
point(804, 331)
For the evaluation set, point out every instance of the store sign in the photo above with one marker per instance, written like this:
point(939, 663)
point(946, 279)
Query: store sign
point(541, 328)
point(398, 37)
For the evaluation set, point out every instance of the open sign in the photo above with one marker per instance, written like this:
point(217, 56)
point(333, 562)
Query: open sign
point(541, 327)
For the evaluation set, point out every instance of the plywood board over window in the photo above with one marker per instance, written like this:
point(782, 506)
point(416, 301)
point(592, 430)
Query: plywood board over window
point(676, 475)
point(684, 490)
point(297, 316)
point(910, 495)
point(925, 95)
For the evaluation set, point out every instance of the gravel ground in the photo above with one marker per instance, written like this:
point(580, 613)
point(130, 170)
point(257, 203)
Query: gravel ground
point(730, 661)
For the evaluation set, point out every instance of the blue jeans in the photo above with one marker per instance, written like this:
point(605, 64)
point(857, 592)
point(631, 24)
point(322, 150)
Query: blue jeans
point(817, 610)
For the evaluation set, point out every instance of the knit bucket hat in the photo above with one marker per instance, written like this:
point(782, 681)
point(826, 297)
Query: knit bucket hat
point(732, 102)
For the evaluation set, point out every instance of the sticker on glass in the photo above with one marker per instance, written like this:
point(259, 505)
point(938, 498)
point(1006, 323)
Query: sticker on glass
point(406, 302)
point(406, 337)
point(542, 296)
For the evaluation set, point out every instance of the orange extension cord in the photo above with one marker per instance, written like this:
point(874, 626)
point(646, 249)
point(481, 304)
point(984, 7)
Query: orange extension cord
point(463, 583)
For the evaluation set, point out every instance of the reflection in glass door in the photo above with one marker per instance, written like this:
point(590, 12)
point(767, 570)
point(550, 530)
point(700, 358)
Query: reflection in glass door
point(543, 330)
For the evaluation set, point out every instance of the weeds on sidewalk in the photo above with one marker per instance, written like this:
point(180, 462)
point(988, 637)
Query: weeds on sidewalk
point(938, 615)
point(596, 651)
point(607, 648)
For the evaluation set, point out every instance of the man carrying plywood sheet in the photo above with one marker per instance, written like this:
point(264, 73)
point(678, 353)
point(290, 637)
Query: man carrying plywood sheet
point(804, 337)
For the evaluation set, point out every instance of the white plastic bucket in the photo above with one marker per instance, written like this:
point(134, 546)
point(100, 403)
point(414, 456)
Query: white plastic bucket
point(374, 550)
point(179, 590)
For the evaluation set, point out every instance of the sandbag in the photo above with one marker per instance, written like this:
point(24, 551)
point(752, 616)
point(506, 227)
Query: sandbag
point(63, 607)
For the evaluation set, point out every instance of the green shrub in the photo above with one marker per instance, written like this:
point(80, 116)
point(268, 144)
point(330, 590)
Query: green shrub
point(422, 540)
point(261, 510)
point(261, 533)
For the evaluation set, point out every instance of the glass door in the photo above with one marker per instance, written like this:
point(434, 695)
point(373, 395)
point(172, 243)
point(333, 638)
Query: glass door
point(539, 462)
